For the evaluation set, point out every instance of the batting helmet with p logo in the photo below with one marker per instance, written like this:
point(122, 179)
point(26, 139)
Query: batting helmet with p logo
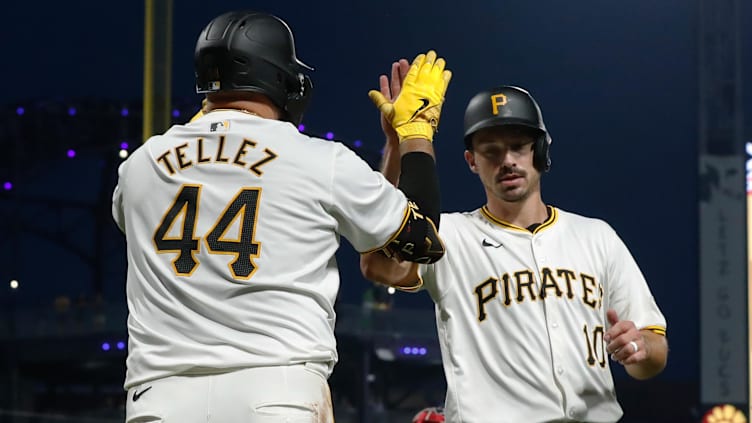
point(509, 105)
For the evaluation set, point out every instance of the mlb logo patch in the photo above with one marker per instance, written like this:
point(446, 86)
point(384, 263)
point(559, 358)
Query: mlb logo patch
point(219, 126)
point(214, 85)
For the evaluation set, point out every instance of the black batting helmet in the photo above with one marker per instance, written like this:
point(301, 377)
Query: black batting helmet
point(508, 105)
point(253, 51)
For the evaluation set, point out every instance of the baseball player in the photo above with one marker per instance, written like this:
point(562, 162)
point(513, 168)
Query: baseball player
point(531, 300)
point(232, 222)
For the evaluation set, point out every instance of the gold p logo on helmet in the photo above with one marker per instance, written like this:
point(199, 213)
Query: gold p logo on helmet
point(498, 100)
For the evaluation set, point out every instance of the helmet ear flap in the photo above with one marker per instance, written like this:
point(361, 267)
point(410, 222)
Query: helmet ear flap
point(541, 155)
point(298, 98)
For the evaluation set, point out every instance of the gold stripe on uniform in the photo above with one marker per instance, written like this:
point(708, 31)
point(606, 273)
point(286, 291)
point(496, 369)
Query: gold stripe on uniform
point(659, 330)
point(413, 288)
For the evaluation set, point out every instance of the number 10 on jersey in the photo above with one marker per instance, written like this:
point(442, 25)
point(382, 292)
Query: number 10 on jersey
point(595, 346)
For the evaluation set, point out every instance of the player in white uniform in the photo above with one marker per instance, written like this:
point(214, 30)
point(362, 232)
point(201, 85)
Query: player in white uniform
point(232, 222)
point(531, 300)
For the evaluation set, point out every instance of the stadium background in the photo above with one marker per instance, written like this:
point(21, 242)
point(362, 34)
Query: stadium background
point(617, 82)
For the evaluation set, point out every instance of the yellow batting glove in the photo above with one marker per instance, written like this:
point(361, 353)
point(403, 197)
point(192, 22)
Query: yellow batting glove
point(416, 111)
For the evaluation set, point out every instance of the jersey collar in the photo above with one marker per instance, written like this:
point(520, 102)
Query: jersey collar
point(553, 215)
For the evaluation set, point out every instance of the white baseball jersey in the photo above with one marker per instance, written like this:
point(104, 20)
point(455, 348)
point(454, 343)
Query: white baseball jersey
point(521, 316)
point(232, 225)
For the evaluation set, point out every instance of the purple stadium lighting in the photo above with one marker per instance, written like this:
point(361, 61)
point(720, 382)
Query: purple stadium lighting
point(406, 350)
point(124, 112)
point(330, 135)
point(301, 127)
point(358, 143)
point(106, 346)
point(121, 345)
point(124, 145)
point(422, 351)
point(175, 113)
point(71, 153)
point(414, 350)
point(20, 111)
point(7, 186)
point(71, 111)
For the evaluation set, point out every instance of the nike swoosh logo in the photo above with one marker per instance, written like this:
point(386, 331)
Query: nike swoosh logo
point(422, 106)
point(137, 395)
point(486, 243)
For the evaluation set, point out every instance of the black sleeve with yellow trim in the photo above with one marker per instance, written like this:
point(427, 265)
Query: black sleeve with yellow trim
point(418, 238)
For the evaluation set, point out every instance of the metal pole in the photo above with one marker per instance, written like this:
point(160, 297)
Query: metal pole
point(157, 67)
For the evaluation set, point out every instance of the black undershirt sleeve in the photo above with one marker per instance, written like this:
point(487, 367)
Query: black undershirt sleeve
point(420, 183)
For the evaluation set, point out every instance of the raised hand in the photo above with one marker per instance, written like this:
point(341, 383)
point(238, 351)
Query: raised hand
point(390, 89)
point(416, 111)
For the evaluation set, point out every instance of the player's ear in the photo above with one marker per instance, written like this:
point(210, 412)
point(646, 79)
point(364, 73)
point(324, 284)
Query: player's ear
point(470, 159)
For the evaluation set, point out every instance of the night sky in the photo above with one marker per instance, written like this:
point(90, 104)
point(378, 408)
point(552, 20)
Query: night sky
point(617, 83)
